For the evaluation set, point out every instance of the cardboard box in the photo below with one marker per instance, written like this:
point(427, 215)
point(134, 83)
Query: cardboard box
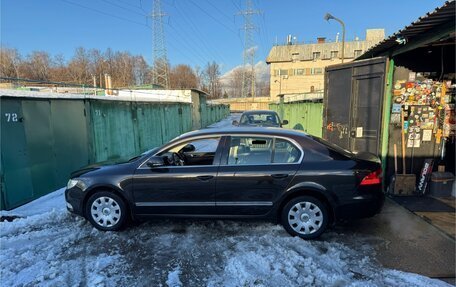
point(404, 184)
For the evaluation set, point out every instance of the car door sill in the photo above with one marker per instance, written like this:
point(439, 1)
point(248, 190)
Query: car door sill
point(224, 203)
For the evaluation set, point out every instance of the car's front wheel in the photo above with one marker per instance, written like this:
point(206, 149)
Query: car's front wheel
point(106, 211)
point(305, 216)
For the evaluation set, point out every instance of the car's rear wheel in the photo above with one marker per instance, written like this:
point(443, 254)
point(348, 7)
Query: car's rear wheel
point(305, 216)
point(106, 211)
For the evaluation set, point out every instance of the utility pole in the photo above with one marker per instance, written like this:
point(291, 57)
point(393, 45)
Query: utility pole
point(160, 72)
point(248, 77)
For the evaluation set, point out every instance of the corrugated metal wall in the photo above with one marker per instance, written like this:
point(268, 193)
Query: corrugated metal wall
point(43, 139)
point(305, 116)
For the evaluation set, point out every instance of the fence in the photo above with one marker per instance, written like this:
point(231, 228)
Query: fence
point(44, 139)
point(305, 116)
point(245, 104)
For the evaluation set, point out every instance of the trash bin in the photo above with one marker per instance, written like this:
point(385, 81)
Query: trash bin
point(441, 184)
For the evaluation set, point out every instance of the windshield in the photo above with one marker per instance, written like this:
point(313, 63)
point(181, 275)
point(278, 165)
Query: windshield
point(141, 155)
point(270, 119)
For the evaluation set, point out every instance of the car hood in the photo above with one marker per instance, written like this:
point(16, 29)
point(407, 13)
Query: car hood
point(100, 166)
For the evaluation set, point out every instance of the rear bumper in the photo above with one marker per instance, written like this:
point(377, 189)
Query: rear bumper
point(362, 206)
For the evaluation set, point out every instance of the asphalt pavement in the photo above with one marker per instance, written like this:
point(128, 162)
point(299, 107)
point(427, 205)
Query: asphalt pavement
point(406, 242)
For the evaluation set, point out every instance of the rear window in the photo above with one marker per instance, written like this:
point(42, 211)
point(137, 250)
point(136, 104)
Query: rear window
point(317, 149)
point(333, 147)
point(260, 118)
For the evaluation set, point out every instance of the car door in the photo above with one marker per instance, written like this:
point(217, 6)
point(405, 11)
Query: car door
point(188, 189)
point(254, 172)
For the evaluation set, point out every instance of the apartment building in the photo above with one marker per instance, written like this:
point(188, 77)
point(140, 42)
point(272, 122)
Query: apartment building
point(297, 69)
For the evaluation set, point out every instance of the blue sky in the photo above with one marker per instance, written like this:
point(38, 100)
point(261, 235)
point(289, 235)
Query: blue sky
point(197, 31)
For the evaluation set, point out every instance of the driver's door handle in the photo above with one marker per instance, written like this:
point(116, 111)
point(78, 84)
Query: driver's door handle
point(205, 177)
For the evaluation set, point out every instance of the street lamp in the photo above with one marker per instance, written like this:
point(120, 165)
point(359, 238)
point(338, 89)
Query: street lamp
point(329, 17)
point(280, 82)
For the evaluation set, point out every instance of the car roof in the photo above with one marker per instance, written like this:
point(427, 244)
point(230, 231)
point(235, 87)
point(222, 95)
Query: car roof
point(258, 112)
point(269, 131)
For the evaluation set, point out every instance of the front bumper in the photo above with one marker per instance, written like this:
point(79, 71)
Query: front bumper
point(74, 200)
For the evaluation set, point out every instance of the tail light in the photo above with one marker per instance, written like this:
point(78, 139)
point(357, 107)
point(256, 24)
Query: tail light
point(372, 178)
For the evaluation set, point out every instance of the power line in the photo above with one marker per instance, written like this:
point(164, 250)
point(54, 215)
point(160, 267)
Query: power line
point(129, 4)
point(236, 5)
point(200, 56)
point(124, 8)
point(220, 11)
point(104, 13)
point(212, 17)
point(202, 40)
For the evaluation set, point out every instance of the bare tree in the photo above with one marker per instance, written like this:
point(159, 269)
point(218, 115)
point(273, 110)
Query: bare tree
point(235, 83)
point(212, 80)
point(37, 66)
point(79, 67)
point(183, 77)
point(262, 88)
point(10, 60)
point(141, 71)
point(59, 70)
point(199, 77)
point(124, 68)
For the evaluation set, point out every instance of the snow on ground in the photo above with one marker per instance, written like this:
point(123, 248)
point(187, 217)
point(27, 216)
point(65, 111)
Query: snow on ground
point(47, 246)
point(54, 200)
point(227, 122)
point(55, 248)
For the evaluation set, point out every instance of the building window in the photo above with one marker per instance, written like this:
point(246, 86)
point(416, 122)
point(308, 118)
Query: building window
point(318, 71)
point(294, 57)
point(358, 53)
point(283, 72)
point(315, 55)
point(299, 72)
point(334, 54)
point(312, 89)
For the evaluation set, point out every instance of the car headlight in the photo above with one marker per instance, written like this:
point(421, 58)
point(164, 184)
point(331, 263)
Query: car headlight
point(73, 182)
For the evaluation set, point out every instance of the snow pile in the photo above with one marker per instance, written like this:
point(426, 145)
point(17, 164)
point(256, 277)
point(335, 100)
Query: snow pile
point(45, 250)
point(54, 200)
point(282, 261)
point(58, 249)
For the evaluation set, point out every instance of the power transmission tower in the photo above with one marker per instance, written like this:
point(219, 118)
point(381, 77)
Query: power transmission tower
point(160, 72)
point(248, 75)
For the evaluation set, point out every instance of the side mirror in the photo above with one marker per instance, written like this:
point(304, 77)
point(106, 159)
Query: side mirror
point(235, 123)
point(284, 122)
point(155, 161)
point(188, 148)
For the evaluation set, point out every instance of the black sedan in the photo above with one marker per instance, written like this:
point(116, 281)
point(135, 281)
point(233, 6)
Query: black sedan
point(260, 118)
point(272, 173)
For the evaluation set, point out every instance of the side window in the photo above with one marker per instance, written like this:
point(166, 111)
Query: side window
point(250, 150)
point(196, 152)
point(285, 152)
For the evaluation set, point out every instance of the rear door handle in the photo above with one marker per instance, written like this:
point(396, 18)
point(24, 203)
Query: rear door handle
point(205, 177)
point(279, 175)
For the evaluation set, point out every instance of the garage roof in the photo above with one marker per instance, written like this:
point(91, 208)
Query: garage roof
point(440, 16)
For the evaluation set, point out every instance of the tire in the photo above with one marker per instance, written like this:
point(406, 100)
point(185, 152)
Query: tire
point(305, 216)
point(106, 211)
